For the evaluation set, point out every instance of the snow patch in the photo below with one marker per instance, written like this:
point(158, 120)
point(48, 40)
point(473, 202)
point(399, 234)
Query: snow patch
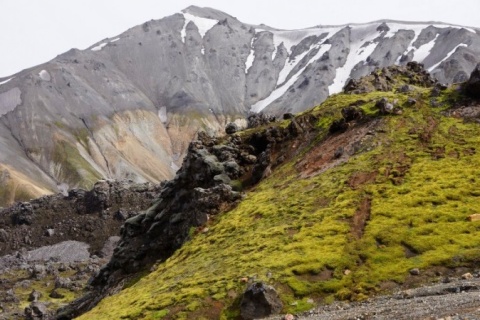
point(114, 40)
point(288, 67)
point(279, 91)
point(421, 53)
point(99, 47)
point(417, 29)
point(44, 75)
point(357, 53)
point(251, 56)
point(274, 53)
point(162, 114)
point(447, 56)
point(202, 50)
point(292, 38)
point(203, 25)
point(5, 81)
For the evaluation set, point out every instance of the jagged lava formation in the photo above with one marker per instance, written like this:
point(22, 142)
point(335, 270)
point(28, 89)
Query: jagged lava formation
point(127, 107)
point(370, 191)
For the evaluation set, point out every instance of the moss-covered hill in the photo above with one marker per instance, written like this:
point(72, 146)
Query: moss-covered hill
point(388, 188)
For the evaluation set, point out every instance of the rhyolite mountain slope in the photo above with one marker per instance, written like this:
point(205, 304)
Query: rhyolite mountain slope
point(375, 189)
point(128, 106)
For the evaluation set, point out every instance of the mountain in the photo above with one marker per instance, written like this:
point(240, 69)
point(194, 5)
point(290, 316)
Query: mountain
point(372, 191)
point(127, 107)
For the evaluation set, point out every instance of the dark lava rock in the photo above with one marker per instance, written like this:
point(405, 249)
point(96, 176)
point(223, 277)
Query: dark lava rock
point(384, 106)
point(415, 272)
point(56, 295)
point(338, 152)
point(411, 101)
point(472, 87)
point(405, 88)
point(287, 116)
point(386, 79)
point(87, 216)
point(352, 113)
point(34, 296)
point(338, 126)
point(36, 310)
point(231, 128)
point(259, 119)
point(260, 300)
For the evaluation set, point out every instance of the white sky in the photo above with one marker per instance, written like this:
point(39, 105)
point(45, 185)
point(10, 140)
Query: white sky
point(35, 31)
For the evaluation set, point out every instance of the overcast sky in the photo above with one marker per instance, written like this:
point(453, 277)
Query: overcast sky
point(35, 31)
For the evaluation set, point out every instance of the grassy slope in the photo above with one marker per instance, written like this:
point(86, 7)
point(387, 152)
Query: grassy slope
point(302, 234)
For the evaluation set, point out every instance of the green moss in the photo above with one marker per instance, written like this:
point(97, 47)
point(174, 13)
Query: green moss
point(157, 315)
point(298, 231)
point(73, 167)
point(44, 286)
point(83, 135)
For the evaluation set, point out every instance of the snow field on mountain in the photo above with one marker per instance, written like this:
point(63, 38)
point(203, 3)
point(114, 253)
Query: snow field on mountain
point(279, 91)
point(447, 56)
point(203, 24)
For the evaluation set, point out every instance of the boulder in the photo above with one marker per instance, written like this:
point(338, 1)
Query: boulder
point(384, 106)
point(352, 113)
point(259, 119)
point(467, 276)
point(338, 153)
point(231, 128)
point(56, 295)
point(415, 272)
point(405, 88)
point(38, 272)
point(260, 300)
point(472, 87)
point(36, 310)
point(338, 126)
point(34, 296)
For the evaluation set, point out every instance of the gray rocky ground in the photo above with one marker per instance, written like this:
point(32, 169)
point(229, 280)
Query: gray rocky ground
point(451, 298)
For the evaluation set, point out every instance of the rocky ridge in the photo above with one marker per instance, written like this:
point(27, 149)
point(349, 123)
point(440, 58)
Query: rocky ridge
point(210, 181)
point(310, 149)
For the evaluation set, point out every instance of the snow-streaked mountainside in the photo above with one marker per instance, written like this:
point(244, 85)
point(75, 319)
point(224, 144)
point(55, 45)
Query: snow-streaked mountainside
point(128, 106)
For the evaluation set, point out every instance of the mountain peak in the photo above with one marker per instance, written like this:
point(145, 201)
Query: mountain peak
point(206, 12)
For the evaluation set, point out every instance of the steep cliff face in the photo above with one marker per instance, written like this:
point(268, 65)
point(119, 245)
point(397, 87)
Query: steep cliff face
point(128, 106)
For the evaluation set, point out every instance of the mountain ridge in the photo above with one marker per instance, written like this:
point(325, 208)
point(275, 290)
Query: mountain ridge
point(182, 74)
